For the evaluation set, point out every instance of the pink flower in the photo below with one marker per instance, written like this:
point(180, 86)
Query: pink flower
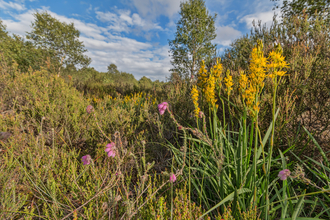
point(283, 174)
point(86, 159)
point(89, 109)
point(162, 107)
point(201, 114)
point(109, 149)
point(172, 178)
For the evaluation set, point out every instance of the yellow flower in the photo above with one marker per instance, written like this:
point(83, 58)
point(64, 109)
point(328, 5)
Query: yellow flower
point(257, 67)
point(194, 96)
point(210, 90)
point(243, 82)
point(229, 82)
point(217, 71)
point(276, 62)
point(256, 107)
point(202, 75)
point(280, 73)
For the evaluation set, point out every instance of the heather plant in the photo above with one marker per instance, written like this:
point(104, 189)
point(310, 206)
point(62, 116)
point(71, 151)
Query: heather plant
point(59, 155)
point(55, 182)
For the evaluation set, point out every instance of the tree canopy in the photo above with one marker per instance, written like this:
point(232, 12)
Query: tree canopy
point(3, 32)
point(15, 48)
point(59, 39)
point(112, 68)
point(192, 43)
point(295, 7)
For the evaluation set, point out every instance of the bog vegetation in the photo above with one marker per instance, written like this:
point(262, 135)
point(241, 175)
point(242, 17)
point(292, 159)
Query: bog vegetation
point(246, 138)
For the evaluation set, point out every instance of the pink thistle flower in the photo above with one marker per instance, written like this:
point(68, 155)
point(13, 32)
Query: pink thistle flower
point(89, 109)
point(109, 149)
point(283, 174)
point(86, 159)
point(172, 178)
point(162, 107)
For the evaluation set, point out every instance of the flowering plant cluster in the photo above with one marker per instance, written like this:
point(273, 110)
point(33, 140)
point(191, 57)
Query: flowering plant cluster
point(284, 174)
point(86, 159)
point(110, 149)
point(162, 107)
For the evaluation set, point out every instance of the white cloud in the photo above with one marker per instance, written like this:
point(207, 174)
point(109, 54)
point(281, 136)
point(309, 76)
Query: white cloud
point(11, 5)
point(141, 59)
point(225, 35)
point(104, 47)
point(265, 17)
point(21, 25)
point(123, 21)
point(154, 8)
point(261, 11)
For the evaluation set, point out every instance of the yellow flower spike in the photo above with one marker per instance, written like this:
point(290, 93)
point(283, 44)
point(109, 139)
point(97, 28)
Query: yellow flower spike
point(243, 81)
point(194, 96)
point(202, 76)
point(257, 67)
point(210, 90)
point(228, 82)
point(217, 72)
point(276, 63)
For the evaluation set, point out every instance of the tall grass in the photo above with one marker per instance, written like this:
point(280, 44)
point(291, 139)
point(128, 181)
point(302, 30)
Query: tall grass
point(237, 167)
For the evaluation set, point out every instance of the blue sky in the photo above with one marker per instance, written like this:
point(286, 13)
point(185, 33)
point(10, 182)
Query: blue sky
point(134, 34)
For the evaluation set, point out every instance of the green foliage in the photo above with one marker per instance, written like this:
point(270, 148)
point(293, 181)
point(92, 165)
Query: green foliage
point(159, 208)
point(15, 49)
point(296, 7)
point(22, 52)
point(3, 32)
point(192, 43)
point(122, 78)
point(112, 68)
point(59, 39)
point(40, 97)
point(146, 82)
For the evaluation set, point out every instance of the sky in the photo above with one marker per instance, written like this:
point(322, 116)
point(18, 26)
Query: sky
point(134, 34)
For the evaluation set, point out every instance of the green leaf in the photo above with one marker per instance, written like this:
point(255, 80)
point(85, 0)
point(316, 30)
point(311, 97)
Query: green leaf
point(298, 207)
point(228, 198)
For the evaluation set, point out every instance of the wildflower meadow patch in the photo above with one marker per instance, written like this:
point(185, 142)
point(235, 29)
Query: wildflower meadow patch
point(202, 148)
